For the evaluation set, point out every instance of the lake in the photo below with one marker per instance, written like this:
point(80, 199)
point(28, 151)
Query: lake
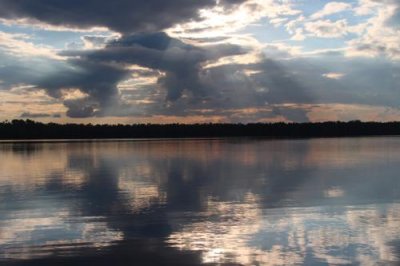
point(196, 202)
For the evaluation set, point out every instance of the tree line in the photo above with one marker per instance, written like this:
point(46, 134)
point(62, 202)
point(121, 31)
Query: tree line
point(28, 129)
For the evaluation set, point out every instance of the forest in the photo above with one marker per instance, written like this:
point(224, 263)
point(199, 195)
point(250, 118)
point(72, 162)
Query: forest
point(28, 129)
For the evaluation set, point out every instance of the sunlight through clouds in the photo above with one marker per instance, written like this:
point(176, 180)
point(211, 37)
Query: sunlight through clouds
point(202, 58)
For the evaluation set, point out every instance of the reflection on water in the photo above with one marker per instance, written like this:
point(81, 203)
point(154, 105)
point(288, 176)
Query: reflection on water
point(187, 202)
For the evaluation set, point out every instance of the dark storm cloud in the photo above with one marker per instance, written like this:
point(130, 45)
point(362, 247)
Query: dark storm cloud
point(34, 115)
point(232, 89)
point(86, 76)
point(229, 4)
point(38, 115)
point(97, 80)
point(232, 2)
point(181, 63)
point(81, 108)
point(97, 73)
point(125, 16)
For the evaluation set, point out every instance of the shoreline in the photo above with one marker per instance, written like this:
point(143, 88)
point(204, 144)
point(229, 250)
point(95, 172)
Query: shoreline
point(111, 140)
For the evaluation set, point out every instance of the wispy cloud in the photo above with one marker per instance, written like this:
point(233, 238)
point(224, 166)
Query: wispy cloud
point(331, 8)
point(20, 45)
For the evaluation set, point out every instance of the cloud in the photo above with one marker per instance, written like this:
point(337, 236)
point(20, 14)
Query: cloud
point(96, 74)
point(391, 14)
point(38, 115)
point(394, 20)
point(366, 7)
point(330, 9)
point(96, 41)
point(243, 93)
point(81, 108)
point(19, 45)
point(180, 62)
point(282, 86)
point(317, 25)
point(191, 58)
point(155, 75)
point(125, 16)
point(379, 36)
point(327, 28)
point(17, 71)
point(95, 80)
point(217, 21)
point(145, 75)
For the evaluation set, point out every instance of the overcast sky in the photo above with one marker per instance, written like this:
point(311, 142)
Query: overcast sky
point(157, 61)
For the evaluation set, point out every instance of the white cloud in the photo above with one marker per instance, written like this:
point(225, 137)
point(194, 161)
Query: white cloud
point(331, 8)
point(282, 50)
point(366, 7)
point(377, 38)
point(294, 24)
point(299, 35)
point(315, 25)
point(327, 28)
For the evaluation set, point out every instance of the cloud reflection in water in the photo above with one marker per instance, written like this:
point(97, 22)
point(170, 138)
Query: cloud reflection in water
point(330, 201)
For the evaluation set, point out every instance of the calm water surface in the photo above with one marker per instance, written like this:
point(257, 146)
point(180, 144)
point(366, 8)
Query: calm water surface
point(194, 202)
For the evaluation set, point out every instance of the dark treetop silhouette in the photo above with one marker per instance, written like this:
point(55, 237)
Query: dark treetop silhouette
point(28, 129)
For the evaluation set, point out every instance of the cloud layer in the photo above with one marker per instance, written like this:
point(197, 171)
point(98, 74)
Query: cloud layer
point(123, 16)
point(225, 60)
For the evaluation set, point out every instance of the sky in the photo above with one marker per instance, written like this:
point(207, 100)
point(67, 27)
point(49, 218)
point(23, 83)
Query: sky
point(196, 61)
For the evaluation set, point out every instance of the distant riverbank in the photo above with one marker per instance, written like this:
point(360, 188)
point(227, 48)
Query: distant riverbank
point(31, 130)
